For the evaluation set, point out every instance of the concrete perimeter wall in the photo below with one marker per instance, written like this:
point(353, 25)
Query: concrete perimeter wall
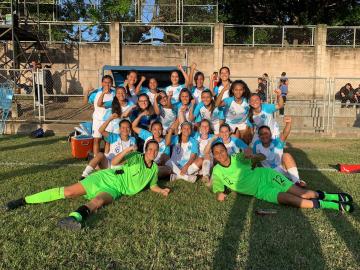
point(316, 61)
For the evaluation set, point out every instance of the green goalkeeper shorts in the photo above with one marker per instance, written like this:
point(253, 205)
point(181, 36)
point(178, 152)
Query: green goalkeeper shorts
point(272, 183)
point(97, 183)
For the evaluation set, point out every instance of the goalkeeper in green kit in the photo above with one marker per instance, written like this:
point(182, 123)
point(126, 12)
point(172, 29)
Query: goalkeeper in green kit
point(105, 186)
point(236, 172)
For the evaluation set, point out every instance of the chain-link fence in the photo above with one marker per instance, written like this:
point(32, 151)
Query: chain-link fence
point(268, 35)
point(50, 94)
point(57, 96)
point(161, 34)
point(345, 100)
point(343, 36)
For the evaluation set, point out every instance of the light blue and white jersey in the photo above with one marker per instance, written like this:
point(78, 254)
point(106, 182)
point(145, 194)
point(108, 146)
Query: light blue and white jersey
point(196, 93)
point(117, 145)
point(201, 112)
point(167, 116)
point(163, 148)
point(265, 118)
point(151, 95)
point(114, 124)
point(234, 146)
point(176, 92)
point(202, 142)
point(235, 113)
point(273, 153)
point(133, 97)
point(217, 90)
point(176, 106)
point(101, 113)
point(181, 152)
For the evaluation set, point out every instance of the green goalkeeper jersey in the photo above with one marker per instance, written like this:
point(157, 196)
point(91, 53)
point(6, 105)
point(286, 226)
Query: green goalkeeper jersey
point(126, 179)
point(238, 176)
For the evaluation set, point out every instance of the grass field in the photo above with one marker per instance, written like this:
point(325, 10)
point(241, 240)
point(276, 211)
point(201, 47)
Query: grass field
point(187, 230)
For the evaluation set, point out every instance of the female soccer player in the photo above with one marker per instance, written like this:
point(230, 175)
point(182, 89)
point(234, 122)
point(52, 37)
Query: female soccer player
point(236, 172)
point(184, 152)
point(223, 84)
point(233, 145)
point(156, 134)
point(174, 89)
point(117, 144)
point(185, 107)
point(261, 114)
point(199, 87)
point(105, 93)
point(105, 186)
point(120, 105)
point(129, 85)
point(143, 104)
point(273, 150)
point(152, 89)
point(236, 107)
point(204, 160)
point(206, 110)
point(164, 110)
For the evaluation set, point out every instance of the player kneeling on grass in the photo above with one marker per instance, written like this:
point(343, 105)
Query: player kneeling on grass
point(236, 172)
point(117, 144)
point(103, 187)
point(273, 150)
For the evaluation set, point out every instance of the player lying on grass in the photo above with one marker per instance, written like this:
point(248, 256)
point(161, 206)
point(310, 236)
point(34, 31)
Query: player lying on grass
point(273, 150)
point(236, 172)
point(103, 187)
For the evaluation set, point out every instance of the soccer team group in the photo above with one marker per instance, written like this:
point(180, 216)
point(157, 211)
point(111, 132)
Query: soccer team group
point(224, 134)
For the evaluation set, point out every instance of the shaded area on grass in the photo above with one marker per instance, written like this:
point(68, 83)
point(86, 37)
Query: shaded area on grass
point(339, 221)
point(34, 142)
point(226, 253)
point(25, 171)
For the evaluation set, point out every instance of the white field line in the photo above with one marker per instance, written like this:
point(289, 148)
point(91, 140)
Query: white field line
point(27, 164)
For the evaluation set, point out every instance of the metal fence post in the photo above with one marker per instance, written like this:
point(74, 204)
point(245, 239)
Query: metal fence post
point(253, 36)
point(354, 43)
point(282, 36)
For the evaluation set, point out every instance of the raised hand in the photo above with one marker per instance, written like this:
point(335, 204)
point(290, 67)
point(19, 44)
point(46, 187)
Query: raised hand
point(277, 92)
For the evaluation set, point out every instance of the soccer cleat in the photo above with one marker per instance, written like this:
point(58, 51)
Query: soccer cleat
point(11, 205)
point(346, 207)
point(191, 178)
point(345, 197)
point(173, 177)
point(69, 223)
point(82, 178)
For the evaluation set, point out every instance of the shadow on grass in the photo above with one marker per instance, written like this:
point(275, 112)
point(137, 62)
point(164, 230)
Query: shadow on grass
point(225, 256)
point(343, 227)
point(17, 172)
point(283, 241)
point(287, 240)
point(35, 142)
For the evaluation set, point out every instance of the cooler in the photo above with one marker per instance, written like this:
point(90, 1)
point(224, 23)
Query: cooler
point(81, 146)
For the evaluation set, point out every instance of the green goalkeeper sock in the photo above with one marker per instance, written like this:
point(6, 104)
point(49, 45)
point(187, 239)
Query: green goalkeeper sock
point(46, 196)
point(339, 206)
point(329, 205)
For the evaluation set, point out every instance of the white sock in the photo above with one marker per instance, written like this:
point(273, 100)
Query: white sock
point(87, 171)
point(294, 174)
point(193, 168)
point(206, 167)
point(173, 166)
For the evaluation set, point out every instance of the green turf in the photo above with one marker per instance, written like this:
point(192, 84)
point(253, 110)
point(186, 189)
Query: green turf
point(187, 230)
